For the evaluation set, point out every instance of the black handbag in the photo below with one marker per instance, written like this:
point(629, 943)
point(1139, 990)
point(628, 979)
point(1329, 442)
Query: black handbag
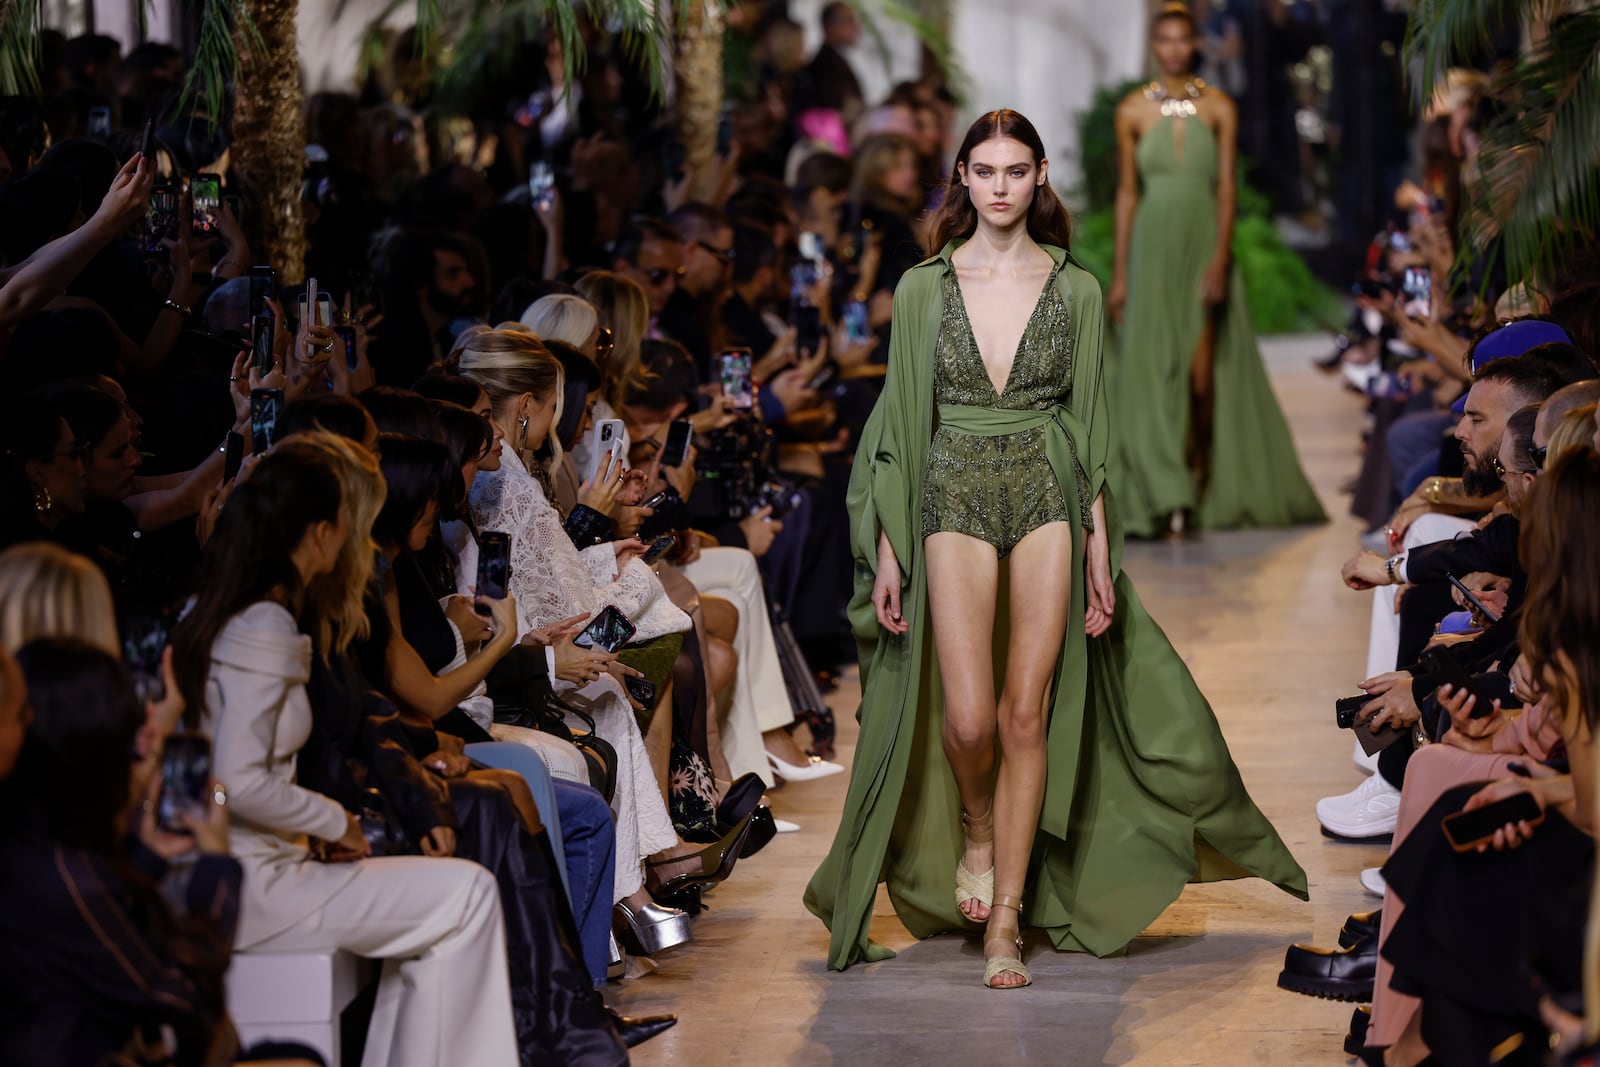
point(522, 695)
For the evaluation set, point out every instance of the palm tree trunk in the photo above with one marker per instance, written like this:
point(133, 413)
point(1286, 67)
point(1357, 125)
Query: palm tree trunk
point(269, 139)
point(698, 76)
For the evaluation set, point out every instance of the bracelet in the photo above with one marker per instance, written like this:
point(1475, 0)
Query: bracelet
point(1431, 492)
point(179, 308)
point(1389, 568)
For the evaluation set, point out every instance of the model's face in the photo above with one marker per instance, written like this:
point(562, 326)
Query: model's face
point(1172, 41)
point(1001, 177)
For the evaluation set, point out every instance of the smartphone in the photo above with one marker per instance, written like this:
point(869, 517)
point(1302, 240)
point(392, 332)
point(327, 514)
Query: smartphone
point(1346, 709)
point(810, 243)
point(1417, 286)
point(807, 321)
point(642, 691)
point(1375, 741)
point(347, 334)
point(100, 124)
point(1447, 670)
point(262, 330)
point(1466, 830)
point(263, 286)
point(1472, 599)
point(185, 781)
point(205, 190)
point(857, 327)
point(735, 366)
point(676, 450)
point(144, 639)
point(233, 457)
point(658, 548)
point(608, 631)
point(324, 304)
point(494, 565)
point(610, 443)
point(265, 404)
point(541, 184)
point(161, 219)
point(146, 141)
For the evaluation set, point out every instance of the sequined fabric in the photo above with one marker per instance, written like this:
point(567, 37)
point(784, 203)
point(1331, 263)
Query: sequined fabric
point(1000, 489)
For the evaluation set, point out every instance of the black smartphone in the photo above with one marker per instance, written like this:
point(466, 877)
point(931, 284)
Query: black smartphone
point(1346, 710)
point(1447, 670)
point(1471, 598)
point(658, 548)
point(263, 285)
point(608, 631)
point(205, 191)
point(265, 404)
point(1375, 741)
point(232, 457)
point(262, 334)
point(1466, 830)
point(146, 141)
point(494, 566)
point(100, 124)
point(161, 218)
point(737, 386)
point(347, 334)
point(642, 691)
point(676, 450)
point(144, 639)
point(185, 781)
point(807, 322)
point(655, 501)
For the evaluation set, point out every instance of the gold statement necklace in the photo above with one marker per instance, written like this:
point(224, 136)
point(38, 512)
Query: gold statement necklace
point(1172, 106)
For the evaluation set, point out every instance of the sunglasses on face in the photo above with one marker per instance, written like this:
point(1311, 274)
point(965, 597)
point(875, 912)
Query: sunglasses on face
point(659, 275)
point(604, 342)
point(1538, 455)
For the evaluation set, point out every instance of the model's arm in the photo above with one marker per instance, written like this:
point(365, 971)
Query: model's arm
point(1127, 205)
point(1214, 287)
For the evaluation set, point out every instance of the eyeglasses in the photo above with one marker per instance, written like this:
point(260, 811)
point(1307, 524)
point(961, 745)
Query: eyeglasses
point(1538, 455)
point(604, 342)
point(722, 255)
point(1500, 468)
point(659, 275)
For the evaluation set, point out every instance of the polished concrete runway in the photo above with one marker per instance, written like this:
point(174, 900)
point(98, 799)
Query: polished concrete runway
point(1272, 637)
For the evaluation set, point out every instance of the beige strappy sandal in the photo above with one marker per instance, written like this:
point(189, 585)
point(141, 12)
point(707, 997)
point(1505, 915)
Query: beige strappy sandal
point(995, 966)
point(969, 886)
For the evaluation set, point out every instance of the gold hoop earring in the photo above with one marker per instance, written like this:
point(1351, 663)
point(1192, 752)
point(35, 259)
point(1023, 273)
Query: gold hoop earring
point(42, 502)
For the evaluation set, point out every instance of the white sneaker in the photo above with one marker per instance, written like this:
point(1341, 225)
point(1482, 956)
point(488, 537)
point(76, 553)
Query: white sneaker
point(1371, 809)
point(1372, 881)
point(1364, 763)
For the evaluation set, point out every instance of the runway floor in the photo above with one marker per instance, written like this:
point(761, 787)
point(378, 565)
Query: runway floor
point(1273, 637)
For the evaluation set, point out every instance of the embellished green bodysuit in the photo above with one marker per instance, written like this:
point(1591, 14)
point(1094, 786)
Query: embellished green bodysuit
point(1000, 487)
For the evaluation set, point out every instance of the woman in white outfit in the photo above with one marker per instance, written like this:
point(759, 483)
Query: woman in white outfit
point(241, 663)
point(552, 583)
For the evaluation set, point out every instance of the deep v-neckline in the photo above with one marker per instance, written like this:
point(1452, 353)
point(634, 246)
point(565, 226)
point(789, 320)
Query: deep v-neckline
point(972, 335)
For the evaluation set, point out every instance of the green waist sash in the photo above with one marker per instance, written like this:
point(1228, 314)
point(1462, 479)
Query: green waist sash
point(1062, 445)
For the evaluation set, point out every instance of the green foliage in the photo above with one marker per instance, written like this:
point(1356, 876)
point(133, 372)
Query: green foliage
point(20, 23)
point(1097, 146)
point(225, 27)
point(1539, 153)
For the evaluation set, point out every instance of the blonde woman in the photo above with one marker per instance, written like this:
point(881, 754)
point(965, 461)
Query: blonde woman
point(46, 591)
point(554, 583)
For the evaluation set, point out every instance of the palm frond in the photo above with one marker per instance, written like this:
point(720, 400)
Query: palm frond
point(1446, 33)
point(228, 33)
point(1539, 157)
point(20, 23)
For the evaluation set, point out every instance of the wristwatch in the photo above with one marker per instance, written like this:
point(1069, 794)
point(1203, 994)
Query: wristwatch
point(175, 306)
point(1391, 568)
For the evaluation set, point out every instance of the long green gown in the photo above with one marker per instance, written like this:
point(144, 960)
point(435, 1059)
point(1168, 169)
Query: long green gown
point(1142, 795)
point(1254, 475)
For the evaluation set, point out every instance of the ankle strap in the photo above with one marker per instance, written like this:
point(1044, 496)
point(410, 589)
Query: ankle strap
point(1007, 900)
point(979, 828)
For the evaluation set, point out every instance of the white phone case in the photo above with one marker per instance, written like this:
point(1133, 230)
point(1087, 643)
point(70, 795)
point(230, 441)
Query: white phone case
point(609, 437)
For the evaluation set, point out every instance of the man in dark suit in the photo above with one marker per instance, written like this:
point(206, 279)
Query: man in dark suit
point(828, 80)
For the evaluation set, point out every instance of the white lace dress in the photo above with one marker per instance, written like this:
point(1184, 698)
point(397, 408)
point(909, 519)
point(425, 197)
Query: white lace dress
point(551, 580)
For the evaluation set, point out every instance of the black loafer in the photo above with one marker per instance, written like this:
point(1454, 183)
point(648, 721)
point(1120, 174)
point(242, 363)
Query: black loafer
point(636, 1031)
point(1339, 974)
point(1362, 924)
point(1355, 1042)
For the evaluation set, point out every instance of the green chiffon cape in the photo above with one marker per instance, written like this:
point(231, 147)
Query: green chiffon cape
point(1142, 795)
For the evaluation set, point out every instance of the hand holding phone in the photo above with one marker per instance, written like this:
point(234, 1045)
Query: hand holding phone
point(1469, 830)
point(737, 386)
point(1472, 599)
point(185, 783)
point(494, 567)
point(1447, 670)
point(658, 548)
point(676, 450)
point(205, 190)
point(608, 631)
point(265, 406)
point(263, 338)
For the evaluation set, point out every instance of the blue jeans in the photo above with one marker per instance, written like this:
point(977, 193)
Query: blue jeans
point(583, 838)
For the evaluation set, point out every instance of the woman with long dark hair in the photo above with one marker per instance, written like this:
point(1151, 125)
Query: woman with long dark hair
point(988, 448)
point(1200, 437)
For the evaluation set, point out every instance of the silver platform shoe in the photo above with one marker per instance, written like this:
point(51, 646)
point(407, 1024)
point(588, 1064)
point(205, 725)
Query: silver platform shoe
point(650, 929)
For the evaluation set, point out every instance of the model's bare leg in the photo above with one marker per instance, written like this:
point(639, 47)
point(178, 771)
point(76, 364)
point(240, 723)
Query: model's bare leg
point(1042, 569)
point(963, 574)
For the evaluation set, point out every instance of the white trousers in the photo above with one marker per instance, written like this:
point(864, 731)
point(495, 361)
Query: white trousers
point(1383, 645)
point(561, 758)
point(444, 995)
point(760, 699)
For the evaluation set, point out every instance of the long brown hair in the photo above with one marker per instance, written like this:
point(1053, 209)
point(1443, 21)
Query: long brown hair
point(1048, 220)
point(1560, 626)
